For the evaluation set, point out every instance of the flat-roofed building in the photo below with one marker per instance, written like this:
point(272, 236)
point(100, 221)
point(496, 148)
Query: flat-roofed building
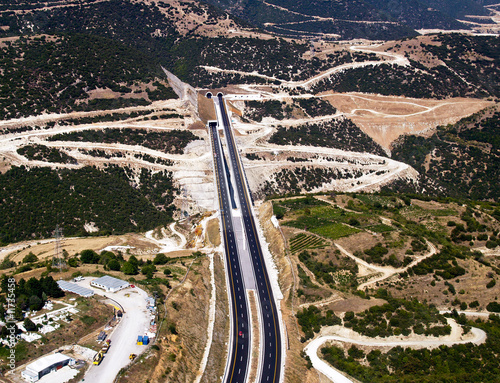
point(109, 284)
point(74, 288)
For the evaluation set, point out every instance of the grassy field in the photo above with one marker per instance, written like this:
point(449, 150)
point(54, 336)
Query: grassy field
point(335, 231)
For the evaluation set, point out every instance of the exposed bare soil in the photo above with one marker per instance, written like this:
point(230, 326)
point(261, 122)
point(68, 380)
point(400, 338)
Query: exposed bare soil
point(385, 118)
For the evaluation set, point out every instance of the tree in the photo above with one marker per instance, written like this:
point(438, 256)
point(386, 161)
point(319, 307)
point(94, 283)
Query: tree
point(114, 265)
point(129, 269)
point(160, 259)
point(51, 288)
point(36, 303)
point(73, 262)
point(30, 258)
point(133, 260)
point(29, 325)
point(148, 270)
point(493, 307)
point(89, 256)
point(34, 287)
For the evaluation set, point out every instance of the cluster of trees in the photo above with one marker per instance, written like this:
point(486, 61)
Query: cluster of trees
point(161, 92)
point(29, 295)
point(154, 160)
point(36, 200)
point(273, 108)
point(311, 320)
point(440, 265)
point(116, 262)
point(296, 18)
point(339, 133)
point(173, 141)
point(280, 208)
point(457, 168)
point(316, 106)
point(55, 74)
point(253, 156)
point(388, 79)
point(322, 271)
point(459, 363)
point(103, 118)
point(398, 317)
point(376, 253)
point(349, 30)
point(295, 180)
point(101, 153)
point(470, 57)
point(297, 69)
point(43, 153)
point(460, 77)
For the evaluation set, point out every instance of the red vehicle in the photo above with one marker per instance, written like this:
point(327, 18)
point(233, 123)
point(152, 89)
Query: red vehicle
point(240, 333)
point(132, 286)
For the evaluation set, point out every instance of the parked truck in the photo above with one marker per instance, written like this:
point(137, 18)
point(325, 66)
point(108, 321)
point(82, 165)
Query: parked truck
point(98, 358)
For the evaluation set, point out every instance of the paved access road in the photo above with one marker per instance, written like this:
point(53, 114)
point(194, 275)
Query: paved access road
point(135, 322)
point(239, 356)
point(270, 326)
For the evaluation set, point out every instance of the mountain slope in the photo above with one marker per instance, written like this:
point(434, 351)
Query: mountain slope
point(460, 160)
point(372, 19)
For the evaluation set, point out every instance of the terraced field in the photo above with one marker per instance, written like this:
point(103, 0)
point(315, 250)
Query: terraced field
point(304, 241)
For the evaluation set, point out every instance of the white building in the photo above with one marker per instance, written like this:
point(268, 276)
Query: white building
point(74, 288)
point(109, 284)
point(43, 366)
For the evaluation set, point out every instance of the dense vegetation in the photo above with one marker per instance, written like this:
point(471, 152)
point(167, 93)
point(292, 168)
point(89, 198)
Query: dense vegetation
point(55, 74)
point(459, 76)
point(384, 20)
point(29, 295)
point(294, 180)
point(44, 153)
point(311, 320)
point(256, 110)
point(440, 265)
point(172, 141)
point(463, 158)
point(398, 317)
point(339, 133)
point(459, 363)
point(274, 108)
point(315, 107)
point(36, 200)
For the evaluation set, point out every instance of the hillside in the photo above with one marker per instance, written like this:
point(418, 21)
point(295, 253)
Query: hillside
point(58, 50)
point(371, 19)
point(440, 66)
point(83, 201)
point(458, 160)
point(375, 276)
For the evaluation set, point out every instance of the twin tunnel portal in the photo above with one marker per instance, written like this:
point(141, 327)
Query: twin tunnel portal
point(245, 264)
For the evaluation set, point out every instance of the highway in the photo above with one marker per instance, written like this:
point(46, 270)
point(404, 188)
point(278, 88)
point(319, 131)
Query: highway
point(239, 355)
point(270, 362)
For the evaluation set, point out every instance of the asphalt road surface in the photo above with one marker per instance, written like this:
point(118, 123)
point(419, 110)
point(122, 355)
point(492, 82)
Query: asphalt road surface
point(271, 353)
point(239, 356)
point(135, 322)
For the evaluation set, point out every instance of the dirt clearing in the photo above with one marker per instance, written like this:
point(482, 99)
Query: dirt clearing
point(385, 118)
